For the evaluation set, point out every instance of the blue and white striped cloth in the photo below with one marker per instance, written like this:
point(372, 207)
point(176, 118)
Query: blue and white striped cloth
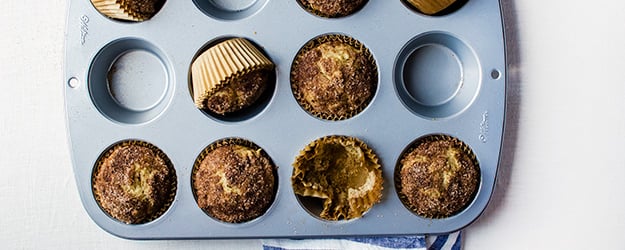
point(441, 242)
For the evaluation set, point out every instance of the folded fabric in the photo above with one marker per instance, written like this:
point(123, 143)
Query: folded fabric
point(441, 242)
point(451, 241)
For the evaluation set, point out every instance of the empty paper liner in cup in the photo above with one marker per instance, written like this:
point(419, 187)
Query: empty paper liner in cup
point(223, 64)
point(431, 7)
point(341, 171)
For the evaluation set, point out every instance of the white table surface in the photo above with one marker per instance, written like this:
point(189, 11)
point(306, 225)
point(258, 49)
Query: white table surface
point(561, 182)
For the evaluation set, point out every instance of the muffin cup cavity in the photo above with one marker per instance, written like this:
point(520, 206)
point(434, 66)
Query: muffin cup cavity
point(130, 81)
point(332, 8)
point(437, 176)
point(337, 178)
point(346, 90)
point(128, 10)
point(437, 75)
point(434, 7)
point(230, 10)
point(134, 182)
point(231, 79)
point(234, 181)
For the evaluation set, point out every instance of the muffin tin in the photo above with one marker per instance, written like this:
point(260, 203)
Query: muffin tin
point(130, 81)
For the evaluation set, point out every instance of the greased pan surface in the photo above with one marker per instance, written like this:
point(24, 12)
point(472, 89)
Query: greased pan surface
point(462, 53)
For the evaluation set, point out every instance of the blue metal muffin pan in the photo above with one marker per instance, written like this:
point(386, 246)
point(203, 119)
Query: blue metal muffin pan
point(437, 75)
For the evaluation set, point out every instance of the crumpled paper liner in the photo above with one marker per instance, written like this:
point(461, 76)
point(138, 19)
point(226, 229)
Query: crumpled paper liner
point(431, 7)
point(220, 64)
point(342, 171)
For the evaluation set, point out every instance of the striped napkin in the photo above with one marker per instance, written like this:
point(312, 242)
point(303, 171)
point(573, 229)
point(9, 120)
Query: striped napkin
point(441, 242)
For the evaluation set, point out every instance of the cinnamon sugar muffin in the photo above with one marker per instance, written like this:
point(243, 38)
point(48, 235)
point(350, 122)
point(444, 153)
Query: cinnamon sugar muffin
point(144, 7)
point(438, 178)
point(333, 8)
point(134, 182)
point(241, 93)
point(334, 77)
point(234, 181)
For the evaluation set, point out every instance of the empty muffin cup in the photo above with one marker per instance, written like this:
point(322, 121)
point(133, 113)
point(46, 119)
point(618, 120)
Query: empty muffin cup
point(437, 75)
point(230, 9)
point(130, 81)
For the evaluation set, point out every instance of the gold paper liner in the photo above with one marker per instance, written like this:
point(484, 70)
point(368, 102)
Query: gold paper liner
point(159, 153)
point(431, 138)
point(332, 38)
point(119, 9)
point(431, 7)
point(232, 141)
point(361, 200)
point(116, 9)
point(310, 9)
point(127, 8)
point(222, 63)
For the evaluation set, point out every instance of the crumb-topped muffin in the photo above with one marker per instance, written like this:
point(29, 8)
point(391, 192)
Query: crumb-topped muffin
point(334, 77)
point(134, 182)
point(230, 76)
point(145, 8)
point(241, 93)
point(234, 181)
point(439, 177)
point(343, 172)
point(333, 8)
